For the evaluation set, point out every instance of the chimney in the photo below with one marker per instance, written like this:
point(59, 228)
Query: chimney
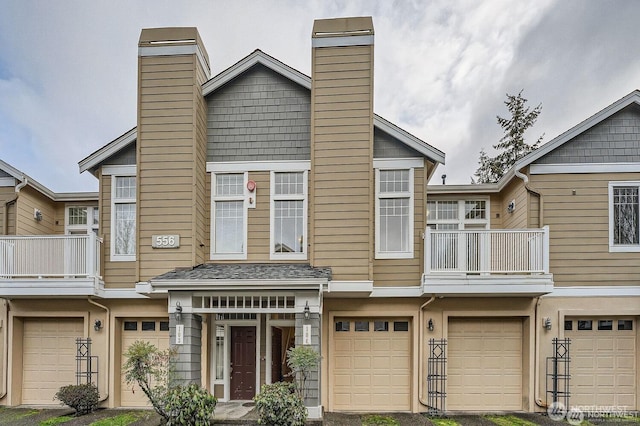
point(171, 148)
point(342, 193)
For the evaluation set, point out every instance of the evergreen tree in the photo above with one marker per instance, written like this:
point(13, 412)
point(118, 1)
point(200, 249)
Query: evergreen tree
point(512, 145)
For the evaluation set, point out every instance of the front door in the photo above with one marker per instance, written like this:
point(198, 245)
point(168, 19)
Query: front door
point(243, 363)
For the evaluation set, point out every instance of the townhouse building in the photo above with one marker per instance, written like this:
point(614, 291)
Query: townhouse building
point(261, 209)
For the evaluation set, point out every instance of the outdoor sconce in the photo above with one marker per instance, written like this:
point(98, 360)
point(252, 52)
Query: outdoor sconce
point(307, 311)
point(178, 314)
point(430, 324)
point(97, 325)
point(547, 323)
point(37, 215)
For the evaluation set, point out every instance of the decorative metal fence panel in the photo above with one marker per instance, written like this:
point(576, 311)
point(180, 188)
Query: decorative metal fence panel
point(558, 372)
point(436, 376)
point(86, 364)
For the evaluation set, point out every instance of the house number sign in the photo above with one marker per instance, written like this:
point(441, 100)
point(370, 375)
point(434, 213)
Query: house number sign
point(165, 241)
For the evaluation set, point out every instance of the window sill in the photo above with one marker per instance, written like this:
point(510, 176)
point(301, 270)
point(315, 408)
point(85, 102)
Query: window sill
point(624, 249)
point(123, 258)
point(228, 256)
point(394, 255)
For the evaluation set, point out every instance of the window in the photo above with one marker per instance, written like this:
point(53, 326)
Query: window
point(625, 324)
point(400, 326)
point(605, 325)
point(457, 214)
point(81, 220)
point(568, 325)
point(289, 215)
point(381, 326)
point(219, 352)
point(394, 213)
point(361, 326)
point(130, 325)
point(624, 216)
point(123, 220)
point(342, 325)
point(585, 325)
point(229, 216)
point(148, 326)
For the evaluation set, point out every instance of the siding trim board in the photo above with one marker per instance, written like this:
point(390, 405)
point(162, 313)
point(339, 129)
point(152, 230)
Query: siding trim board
point(573, 168)
point(595, 291)
point(169, 50)
point(258, 166)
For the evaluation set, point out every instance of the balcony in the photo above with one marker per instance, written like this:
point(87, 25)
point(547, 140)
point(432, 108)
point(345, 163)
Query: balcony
point(504, 262)
point(50, 265)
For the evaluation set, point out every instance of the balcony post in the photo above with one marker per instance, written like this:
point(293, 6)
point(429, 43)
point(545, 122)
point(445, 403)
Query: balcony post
point(545, 249)
point(427, 250)
point(91, 255)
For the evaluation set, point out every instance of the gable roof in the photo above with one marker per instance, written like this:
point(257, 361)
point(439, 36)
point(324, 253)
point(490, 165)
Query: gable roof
point(54, 196)
point(617, 106)
point(255, 58)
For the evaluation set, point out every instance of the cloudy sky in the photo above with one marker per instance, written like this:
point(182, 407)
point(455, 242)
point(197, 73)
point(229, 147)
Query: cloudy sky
point(442, 68)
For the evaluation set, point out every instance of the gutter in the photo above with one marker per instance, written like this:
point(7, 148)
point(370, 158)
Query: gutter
point(421, 349)
point(536, 366)
point(107, 330)
point(5, 222)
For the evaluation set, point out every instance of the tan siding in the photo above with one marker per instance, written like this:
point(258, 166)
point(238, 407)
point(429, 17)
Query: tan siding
point(115, 274)
point(342, 173)
point(171, 155)
point(28, 200)
point(579, 230)
point(515, 191)
point(7, 193)
point(406, 272)
point(258, 226)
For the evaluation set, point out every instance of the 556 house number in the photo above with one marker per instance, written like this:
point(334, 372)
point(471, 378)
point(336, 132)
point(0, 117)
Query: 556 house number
point(165, 241)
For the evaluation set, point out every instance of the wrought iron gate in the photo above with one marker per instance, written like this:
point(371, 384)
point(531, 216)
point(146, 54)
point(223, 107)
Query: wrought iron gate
point(436, 376)
point(557, 372)
point(86, 364)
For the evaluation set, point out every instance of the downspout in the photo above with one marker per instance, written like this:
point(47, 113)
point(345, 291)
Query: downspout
point(5, 354)
point(421, 349)
point(5, 222)
point(529, 189)
point(107, 329)
point(536, 367)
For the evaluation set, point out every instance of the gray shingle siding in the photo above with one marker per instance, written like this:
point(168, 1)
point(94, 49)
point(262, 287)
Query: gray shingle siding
point(386, 146)
point(4, 174)
point(614, 140)
point(260, 115)
point(125, 157)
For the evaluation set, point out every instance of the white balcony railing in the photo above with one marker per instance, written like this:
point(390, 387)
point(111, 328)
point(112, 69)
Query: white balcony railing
point(49, 257)
point(487, 252)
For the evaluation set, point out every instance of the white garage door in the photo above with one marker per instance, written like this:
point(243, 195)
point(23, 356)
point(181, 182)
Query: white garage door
point(484, 371)
point(48, 357)
point(370, 365)
point(603, 361)
point(154, 331)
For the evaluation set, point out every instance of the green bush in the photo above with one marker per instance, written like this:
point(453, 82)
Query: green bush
point(279, 404)
point(190, 405)
point(82, 398)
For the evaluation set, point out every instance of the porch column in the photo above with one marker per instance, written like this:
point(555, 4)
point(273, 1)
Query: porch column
point(188, 357)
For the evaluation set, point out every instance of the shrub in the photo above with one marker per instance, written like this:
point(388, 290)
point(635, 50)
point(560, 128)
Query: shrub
point(190, 405)
point(279, 404)
point(302, 360)
point(82, 398)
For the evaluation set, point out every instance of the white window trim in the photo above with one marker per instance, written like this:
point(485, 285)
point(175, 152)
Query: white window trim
point(619, 248)
point(68, 229)
point(305, 215)
point(245, 205)
point(462, 221)
point(121, 171)
point(395, 165)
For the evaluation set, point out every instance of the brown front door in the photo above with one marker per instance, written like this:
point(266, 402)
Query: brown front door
point(243, 362)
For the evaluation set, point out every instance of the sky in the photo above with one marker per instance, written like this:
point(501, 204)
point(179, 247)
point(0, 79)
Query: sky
point(68, 69)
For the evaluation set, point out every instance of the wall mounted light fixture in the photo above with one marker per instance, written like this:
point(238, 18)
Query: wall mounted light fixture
point(307, 311)
point(97, 325)
point(547, 323)
point(178, 314)
point(430, 324)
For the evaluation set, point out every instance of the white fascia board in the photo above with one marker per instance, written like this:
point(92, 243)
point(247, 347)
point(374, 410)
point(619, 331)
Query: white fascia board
point(11, 170)
point(397, 163)
point(408, 139)
point(596, 291)
point(48, 288)
point(76, 196)
point(413, 291)
point(123, 170)
point(344, 41)
point(257, 57)
point(258, 166)
point(172, 50)
point(571, 168)
point(633, 97)
point(108, 150)
point(7, 181)
point(350, 287)
point(120, 293)
point(266, 285)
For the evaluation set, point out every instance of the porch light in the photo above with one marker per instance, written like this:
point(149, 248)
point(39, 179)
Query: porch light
point(430, 324)
point(307, 311)
point(97, 325)
point(547, 323)
point(178, 314)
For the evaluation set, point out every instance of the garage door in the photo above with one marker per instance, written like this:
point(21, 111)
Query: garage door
point(48, 357)
point(484, 364)
point(370, 365)
point(603, 361)
point(154, 331)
